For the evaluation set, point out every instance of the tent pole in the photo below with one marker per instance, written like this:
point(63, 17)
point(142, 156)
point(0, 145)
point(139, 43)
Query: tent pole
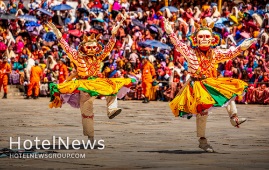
point(219, 5)
point(166, 2)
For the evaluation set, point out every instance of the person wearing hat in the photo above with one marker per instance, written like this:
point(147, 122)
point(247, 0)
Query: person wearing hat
point(195, 100)
point(35, 76)
point(88, 60)
point(5, 69)
point(63, 72)
point(148, 74)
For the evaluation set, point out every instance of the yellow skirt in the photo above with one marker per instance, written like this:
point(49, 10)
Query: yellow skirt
point(95, 87)
point(199, 96)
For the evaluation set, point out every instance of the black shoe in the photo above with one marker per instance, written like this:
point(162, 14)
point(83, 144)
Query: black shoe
point(35, 97)
point(146, 100)
point(27, 97)
point(5, 96)
point(114, 113)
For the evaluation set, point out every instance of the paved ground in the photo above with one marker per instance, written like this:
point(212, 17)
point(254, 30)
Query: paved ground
point(144, 136)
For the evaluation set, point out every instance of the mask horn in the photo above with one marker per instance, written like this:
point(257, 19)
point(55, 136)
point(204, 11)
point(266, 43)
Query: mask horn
point(98, 36)
point(211, 25)
point(197, 26)
point(85, 38)
point(92, 36)
point(204, 23)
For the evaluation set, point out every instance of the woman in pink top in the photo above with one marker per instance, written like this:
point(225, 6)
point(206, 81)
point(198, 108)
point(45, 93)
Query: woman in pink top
point(116, 6)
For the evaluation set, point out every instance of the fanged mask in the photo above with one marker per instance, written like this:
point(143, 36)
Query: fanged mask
point(90, 46)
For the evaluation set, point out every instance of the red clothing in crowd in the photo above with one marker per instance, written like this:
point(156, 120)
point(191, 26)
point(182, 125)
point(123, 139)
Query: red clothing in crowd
point(63, 73)
point(97, 4)
point(5, 69)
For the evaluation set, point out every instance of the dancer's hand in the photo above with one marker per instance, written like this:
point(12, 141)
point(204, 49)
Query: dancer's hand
point(73, 75)
point(55, 30)
point(167, 26)
point(116, 28)
point(247, 43)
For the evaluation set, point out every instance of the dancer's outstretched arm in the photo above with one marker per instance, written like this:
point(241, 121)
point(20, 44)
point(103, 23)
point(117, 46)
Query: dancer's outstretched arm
point(224, 55)
point(112, 40)
point(72, 53)
point(181, 47)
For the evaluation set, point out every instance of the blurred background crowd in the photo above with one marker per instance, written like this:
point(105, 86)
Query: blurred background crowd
point(25, 41)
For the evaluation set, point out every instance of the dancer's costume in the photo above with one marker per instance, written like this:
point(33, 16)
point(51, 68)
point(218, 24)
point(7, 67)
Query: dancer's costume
point(204, 90)
point(87, 83)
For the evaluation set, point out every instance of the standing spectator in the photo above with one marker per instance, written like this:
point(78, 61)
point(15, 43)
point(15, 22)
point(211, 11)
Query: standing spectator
point(148, 73)
point(5, 69)
point(35, 77)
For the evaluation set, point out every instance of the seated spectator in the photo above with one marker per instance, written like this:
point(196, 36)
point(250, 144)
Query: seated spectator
point(12, 7)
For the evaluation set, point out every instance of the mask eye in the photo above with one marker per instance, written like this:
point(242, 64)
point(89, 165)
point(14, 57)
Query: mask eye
point(207, 36)
point(88, 47)
point(200, 36)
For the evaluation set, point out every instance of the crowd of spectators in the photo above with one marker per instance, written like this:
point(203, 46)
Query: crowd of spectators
point(23, 41)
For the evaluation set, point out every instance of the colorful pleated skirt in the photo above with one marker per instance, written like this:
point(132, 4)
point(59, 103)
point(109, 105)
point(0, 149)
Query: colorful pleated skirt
point(93, 86)
point(199, 96)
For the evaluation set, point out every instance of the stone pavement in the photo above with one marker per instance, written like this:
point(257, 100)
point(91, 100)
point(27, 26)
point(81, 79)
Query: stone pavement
point(143, 136)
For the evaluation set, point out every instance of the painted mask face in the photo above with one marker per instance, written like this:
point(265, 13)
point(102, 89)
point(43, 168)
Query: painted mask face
point(204, 39)
point(90, 48)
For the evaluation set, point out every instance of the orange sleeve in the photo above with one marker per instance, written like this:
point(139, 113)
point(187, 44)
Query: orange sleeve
point(72, 53)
